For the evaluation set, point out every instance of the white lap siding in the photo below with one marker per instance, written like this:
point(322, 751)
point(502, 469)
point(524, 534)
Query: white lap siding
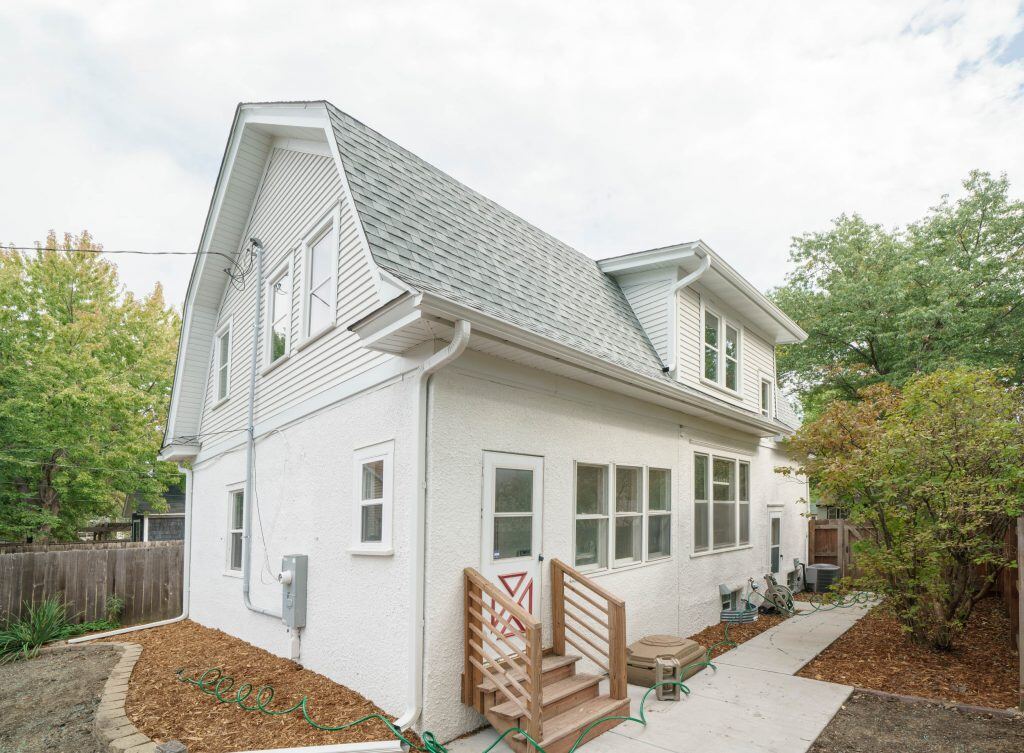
point(298, 190)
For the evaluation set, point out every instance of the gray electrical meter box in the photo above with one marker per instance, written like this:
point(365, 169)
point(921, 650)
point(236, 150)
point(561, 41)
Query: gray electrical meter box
point(293, 589)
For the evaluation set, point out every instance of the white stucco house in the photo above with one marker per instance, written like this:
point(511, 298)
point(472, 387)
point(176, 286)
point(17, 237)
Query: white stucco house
point(389, 373)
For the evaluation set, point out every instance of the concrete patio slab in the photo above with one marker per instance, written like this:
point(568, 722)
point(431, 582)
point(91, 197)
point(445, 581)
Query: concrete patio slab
point(753, 703)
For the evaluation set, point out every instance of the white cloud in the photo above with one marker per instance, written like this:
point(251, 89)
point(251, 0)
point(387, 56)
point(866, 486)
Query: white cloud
point(613, 126)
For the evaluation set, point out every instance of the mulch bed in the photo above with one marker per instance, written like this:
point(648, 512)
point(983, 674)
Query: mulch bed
point(165, 708)
point(737, 633)
point(981, 670)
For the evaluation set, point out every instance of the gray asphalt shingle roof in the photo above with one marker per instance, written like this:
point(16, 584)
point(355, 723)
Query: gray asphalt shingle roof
point(439, 236)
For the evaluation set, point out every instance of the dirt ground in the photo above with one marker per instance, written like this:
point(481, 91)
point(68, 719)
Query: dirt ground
point(869, 724)
point(165, 708)
point(47, 703)
point(981, 669)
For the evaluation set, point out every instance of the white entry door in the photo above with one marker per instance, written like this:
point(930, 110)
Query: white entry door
point(775, 541)
point(513, 507)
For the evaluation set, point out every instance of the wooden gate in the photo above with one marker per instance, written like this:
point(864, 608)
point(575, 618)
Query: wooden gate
point(830, 542)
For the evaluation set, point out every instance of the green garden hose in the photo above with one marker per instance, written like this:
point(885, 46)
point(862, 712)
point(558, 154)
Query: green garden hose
point(215, 683)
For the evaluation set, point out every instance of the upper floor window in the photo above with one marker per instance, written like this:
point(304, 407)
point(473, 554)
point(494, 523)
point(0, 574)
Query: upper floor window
point(222, 361)
point(721, 351)
point(767, 395)
point(320, 289)
point(279, 314)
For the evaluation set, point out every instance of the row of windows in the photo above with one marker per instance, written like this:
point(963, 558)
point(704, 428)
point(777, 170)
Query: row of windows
point(623, 513)
point(318, 252)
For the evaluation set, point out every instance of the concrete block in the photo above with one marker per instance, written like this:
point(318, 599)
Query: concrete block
point(126, 743)
point(149, 747)
point(107, 734)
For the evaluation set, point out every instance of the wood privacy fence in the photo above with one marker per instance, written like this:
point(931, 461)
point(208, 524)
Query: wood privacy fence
point(146, 576)
point(831, 542)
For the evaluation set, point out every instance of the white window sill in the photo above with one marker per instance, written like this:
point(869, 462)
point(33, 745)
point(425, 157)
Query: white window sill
point(602, 572)
point(721, 388)
point(232, 573)
point(371, 551)
point(221, 402)
point(721, 551)
point(310, 339)
point(274, 364)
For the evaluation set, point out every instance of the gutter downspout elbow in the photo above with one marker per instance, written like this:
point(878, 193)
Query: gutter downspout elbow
point(670, 301)
point(418, 527)
point(185, 576)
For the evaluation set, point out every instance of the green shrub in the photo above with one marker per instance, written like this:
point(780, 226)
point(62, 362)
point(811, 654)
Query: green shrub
point(44, 622)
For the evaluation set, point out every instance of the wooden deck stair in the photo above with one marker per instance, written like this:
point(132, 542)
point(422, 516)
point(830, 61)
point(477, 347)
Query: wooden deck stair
point(515, 684)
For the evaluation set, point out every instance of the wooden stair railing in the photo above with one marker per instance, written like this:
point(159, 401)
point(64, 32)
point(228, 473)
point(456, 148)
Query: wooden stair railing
point(590, 619)
point(503, 645)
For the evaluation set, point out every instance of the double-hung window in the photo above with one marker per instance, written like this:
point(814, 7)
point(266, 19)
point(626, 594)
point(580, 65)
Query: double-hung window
point(721, 351)
point(319, 288)
point(767, 394)
point(659, 513)
point(721, 503)
point(373, 473)
point(236, 518)
point(222, 362)
point(591, 516)
point(279, 314)
point(623, 515)
point(629, 514)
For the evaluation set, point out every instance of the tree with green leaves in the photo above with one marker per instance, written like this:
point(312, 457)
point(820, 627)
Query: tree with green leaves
point(881, 306)
point(85, 378)
point(933, 470)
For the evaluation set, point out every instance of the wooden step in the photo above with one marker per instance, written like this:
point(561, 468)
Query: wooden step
point(552, 667)
point(560, 732)
point(557, 696)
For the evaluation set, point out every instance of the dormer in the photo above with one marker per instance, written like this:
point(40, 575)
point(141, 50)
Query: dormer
point(712, 329)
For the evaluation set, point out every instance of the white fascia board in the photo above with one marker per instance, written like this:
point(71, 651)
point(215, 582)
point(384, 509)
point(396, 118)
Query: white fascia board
point(176, 453)
point(484, 324)
point(679, 254)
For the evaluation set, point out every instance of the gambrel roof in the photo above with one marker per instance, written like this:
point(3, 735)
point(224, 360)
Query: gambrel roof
point(438, 235)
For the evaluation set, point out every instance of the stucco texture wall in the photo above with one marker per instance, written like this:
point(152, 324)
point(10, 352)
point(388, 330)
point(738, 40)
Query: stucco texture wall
point(481, 404)
point(357, 622)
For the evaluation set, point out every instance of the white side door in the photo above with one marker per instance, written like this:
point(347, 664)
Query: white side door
point(513, 507)
point(775, 541)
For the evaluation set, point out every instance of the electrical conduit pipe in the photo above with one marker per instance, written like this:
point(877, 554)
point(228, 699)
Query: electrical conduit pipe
point(418, 527)
point(186, 567)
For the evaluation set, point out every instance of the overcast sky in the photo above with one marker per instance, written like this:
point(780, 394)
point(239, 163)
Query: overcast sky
point(613, 126)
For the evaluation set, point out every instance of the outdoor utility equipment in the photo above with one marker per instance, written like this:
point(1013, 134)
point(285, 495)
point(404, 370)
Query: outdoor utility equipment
point(293, 589)
point(643, 655)
point(821, 577)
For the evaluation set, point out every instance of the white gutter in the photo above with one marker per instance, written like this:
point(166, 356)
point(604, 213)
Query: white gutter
point(249, 498)
point(673, 318)
point(186, 570)
point(418, 529)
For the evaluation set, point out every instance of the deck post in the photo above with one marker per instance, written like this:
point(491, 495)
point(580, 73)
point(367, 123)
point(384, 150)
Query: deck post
point(558, 608)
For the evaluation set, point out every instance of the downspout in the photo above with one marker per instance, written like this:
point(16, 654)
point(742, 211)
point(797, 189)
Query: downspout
point(418, 528)
point(670, 302)
point(249, 498)
point(186, 570)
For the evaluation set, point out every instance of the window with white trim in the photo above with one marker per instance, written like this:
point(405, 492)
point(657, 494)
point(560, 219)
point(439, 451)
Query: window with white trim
point(721, 503)
point(659, 513)
point(236, 518)
point(721, 351)
point(373, 474)
point(591, 516)
point(767, 395)
point(222, 362)
point(623, 515)
point(279, 314)
point(319, 288)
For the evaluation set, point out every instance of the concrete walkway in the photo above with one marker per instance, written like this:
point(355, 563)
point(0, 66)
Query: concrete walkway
point(752, 704)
